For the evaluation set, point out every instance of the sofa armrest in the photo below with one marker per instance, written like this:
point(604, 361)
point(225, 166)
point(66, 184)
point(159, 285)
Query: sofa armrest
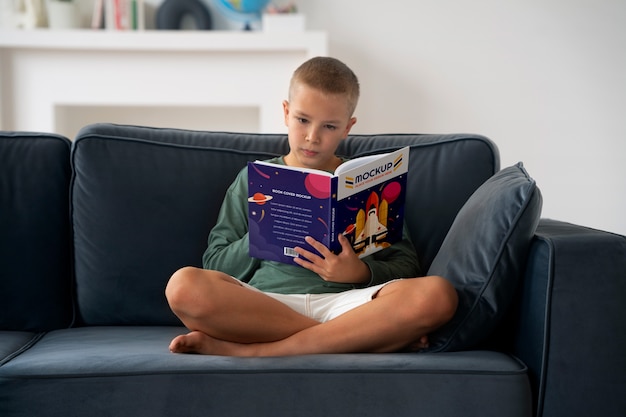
point(572, 320)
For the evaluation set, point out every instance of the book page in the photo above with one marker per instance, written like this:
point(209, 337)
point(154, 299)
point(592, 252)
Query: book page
point(353, 163)
point(307, 170)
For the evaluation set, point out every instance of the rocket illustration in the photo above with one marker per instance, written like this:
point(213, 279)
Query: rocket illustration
point(371, 223)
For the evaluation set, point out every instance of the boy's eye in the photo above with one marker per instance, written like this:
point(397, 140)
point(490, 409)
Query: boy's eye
point(331, 127)
point(302, 120)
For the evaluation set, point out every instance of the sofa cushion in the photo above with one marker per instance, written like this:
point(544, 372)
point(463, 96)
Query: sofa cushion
point(128, 371)
point(484, 255)
point(13, 343)
point(35, 267)
point(141, 209)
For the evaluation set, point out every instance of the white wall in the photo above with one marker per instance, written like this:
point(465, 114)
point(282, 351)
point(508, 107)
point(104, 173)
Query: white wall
point(544, 79)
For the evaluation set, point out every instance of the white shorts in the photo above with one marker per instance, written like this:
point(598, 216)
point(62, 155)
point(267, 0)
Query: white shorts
point(324, 307)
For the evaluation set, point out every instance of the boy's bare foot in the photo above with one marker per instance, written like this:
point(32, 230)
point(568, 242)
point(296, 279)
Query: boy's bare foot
point(198, 342)
point(421, 343)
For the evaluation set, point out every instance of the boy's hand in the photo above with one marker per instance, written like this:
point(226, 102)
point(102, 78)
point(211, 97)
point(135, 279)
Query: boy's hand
point(343, 268)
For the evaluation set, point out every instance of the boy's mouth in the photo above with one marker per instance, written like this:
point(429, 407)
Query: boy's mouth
point(309, 153)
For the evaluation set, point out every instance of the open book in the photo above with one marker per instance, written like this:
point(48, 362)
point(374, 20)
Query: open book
point(363, 200)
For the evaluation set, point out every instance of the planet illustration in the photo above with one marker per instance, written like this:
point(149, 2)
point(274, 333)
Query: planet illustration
point(317, 185)
point(391, 192)
point(260, 198)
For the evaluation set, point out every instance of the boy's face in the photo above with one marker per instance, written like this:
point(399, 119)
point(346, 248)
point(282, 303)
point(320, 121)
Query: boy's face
point(317, 123)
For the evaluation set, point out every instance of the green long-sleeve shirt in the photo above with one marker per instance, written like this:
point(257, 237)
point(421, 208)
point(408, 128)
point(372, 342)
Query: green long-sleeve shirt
point(228, 243)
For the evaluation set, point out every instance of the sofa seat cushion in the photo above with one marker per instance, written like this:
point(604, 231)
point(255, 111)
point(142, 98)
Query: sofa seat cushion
point(129, 371)
point(12, 343)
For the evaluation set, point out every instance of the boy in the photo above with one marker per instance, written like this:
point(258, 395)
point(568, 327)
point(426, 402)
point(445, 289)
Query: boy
point(332, 303)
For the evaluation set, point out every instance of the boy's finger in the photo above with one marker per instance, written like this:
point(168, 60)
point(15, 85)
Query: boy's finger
point(318, 246)
point(345, 243)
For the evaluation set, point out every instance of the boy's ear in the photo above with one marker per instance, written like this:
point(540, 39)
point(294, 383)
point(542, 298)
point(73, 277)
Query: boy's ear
point(286, 111)
point(351, 123)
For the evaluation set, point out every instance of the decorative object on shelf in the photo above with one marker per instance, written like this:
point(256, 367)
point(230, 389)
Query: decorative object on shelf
point(246, 11)
point(172, 15)
point(286, 9)
point(22, 14)
point(283, 19)
point(62, 14)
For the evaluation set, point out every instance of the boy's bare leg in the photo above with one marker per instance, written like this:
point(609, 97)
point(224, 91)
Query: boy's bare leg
point(216, 304)
point(403, 312)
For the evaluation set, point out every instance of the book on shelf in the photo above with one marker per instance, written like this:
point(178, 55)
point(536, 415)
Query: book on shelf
point(118, 15)
point(363, 200)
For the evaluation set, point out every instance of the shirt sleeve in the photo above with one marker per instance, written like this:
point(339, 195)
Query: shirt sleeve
point(397, 261)
point(228, 244)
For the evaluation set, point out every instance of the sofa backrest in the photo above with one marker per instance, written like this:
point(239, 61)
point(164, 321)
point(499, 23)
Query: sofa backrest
point(144, 200)
point(35, 256)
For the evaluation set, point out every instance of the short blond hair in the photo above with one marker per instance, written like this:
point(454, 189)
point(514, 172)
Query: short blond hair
point(330, 76)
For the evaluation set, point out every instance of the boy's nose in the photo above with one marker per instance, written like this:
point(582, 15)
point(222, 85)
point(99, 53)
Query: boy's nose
point(311, 135)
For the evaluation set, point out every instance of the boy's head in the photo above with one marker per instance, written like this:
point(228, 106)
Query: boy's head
point(322, 97)
point(330, 76)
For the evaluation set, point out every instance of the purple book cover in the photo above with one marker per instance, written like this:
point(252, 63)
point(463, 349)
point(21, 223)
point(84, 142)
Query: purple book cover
point(364, 201)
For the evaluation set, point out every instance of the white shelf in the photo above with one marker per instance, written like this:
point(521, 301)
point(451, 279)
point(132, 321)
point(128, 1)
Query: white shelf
point(58, 80)
point(158, 40)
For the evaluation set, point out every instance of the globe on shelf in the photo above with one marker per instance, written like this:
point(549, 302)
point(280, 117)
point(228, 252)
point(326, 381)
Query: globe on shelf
point(246, 11)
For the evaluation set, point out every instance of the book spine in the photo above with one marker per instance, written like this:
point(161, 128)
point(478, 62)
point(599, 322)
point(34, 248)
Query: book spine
point(141, 15)
point(97, 19)
point(117, 13)
point(133, 13)
point(109, 14)
point(333, 241)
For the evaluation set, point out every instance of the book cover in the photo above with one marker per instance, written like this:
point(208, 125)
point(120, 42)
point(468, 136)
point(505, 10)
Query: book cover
point(363, 200)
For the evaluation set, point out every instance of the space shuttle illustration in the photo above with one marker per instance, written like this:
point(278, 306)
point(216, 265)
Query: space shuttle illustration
point(371, 225)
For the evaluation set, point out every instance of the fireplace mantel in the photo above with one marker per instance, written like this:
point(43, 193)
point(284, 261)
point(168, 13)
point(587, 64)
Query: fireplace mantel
point(58, 81)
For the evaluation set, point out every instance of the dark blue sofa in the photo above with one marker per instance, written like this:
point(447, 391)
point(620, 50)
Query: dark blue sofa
point(91, 230)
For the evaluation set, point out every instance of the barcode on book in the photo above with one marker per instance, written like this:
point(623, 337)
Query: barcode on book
point(290, 252)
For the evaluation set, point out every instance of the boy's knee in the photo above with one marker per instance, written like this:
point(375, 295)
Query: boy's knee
point(180, 284)
point(434, 300)
point(447, 298)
